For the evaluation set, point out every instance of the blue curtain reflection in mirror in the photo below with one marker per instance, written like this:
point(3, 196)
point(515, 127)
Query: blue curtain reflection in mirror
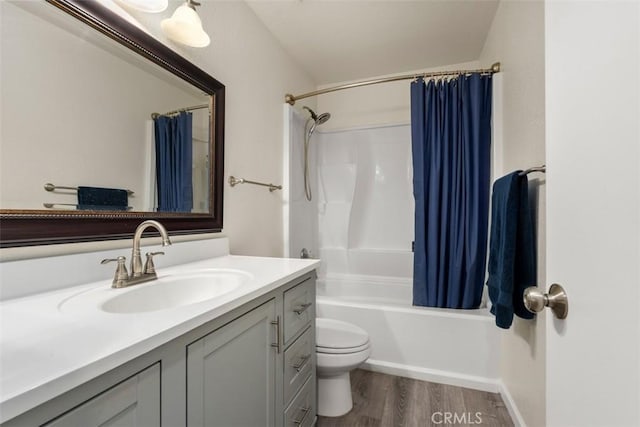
point(173, 135)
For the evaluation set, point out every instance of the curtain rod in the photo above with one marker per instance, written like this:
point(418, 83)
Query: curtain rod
point(291, 99)
point(195, 107)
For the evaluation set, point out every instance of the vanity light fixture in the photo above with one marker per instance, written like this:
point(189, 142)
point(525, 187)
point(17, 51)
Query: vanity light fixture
point(185, 26)
point(149, 6)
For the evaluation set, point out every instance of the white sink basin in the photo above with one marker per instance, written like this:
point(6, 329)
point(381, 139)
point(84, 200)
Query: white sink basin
point(170, 291)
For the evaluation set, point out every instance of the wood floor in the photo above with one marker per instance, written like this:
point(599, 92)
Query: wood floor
point(386, 401)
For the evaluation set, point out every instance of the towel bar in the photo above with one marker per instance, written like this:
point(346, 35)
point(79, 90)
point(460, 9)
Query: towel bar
point(50, 187)
point(233, 181)
point(542, 169)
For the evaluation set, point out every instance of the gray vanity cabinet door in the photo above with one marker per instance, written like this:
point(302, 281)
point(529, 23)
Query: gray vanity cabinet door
point(231, 373)
point(133, 402)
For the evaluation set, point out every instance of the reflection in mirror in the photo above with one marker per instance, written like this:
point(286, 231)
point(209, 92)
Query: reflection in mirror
point(77, 111)
point(181, 160)
point(81, 111)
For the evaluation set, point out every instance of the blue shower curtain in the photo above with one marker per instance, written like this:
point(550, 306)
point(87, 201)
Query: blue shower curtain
point(174, 148)
point(451, 141)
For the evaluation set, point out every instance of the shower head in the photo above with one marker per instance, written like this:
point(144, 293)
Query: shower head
point(318, 119)
point(322, 118)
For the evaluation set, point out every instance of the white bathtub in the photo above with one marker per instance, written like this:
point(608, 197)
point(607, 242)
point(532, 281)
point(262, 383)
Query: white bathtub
point(458, 347)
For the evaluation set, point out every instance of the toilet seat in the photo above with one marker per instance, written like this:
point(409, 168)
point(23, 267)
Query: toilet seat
point(337, 337)
point(348, 350)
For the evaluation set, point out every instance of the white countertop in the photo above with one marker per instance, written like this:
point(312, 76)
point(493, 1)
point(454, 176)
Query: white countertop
point(45, 351)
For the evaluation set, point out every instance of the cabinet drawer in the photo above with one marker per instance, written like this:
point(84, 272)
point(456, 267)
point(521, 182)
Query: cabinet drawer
point(299, 308)
point(302, 411)
point(298, 364)
point(133, 402)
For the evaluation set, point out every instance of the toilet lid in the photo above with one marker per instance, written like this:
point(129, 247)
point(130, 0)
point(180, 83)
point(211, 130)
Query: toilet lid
point(335, 334)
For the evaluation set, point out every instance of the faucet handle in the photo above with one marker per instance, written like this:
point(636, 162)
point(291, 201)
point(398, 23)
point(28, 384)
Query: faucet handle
point(122, 275)
point(149, 268)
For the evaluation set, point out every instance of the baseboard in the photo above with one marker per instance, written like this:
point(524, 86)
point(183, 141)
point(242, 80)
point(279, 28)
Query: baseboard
point(433, 375)
point(515, 414)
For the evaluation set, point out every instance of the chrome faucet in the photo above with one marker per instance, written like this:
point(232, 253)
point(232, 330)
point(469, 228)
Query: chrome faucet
point(138, 274)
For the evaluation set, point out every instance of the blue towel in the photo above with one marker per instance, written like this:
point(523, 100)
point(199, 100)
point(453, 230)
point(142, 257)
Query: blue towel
point(97, 196)
point(102, 208)
point(512, 263)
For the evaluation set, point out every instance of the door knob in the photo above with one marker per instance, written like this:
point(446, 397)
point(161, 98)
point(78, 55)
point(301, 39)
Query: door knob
point(535, 300)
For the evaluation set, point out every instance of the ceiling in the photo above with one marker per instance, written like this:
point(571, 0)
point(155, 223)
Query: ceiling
point(341, 40)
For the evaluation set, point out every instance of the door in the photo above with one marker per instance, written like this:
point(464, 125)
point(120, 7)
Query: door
point(593, 211)
point(231, 373)
point(134, 402)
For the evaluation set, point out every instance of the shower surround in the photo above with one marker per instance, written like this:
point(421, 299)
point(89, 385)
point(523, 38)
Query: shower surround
point(360, 223)
point(364, 204)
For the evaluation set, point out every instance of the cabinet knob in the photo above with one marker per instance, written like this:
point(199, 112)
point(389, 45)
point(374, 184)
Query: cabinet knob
point(305, 411)
point(302, 308)
point(302, 360)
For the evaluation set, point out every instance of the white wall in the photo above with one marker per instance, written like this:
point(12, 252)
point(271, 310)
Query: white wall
point(516, 39)
point(257, 73)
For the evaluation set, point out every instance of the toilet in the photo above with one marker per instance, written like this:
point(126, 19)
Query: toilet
point(340, 348)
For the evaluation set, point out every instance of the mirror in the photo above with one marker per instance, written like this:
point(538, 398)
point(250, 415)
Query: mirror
point(89, 126)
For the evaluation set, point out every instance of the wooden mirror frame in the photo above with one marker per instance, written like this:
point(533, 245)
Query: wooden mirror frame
point(37, 227)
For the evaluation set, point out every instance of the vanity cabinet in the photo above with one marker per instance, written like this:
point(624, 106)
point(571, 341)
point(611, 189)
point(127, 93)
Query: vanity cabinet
point(252, 366)
point(231, 373)
point(299, 362)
